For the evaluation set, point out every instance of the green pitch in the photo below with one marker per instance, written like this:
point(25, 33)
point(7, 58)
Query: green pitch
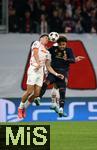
point(72, 135)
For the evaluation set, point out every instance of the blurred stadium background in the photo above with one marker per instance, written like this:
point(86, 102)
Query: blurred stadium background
point(21, 22)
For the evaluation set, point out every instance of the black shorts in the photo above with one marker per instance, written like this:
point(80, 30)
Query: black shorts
point(60, 83)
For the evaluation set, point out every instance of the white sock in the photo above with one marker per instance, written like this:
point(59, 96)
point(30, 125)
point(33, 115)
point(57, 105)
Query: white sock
point(37, 98)
point(21, 106)
point(54, 105)
point(27, 103)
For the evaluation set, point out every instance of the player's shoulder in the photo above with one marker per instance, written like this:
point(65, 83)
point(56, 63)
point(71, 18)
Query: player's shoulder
point(68, 49)
point(36, 43)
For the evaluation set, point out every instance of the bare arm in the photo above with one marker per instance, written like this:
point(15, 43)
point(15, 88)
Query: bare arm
point(35, 54)
point(51, 70)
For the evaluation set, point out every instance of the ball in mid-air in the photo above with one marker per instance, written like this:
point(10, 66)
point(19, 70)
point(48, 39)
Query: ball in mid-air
point(53, 36)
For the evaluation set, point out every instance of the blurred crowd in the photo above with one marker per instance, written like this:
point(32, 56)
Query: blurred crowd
point(62, 16)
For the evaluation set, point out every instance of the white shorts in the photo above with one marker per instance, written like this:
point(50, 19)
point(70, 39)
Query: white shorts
point(35, 77)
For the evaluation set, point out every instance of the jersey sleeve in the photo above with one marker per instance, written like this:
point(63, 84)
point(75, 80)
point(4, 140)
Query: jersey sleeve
point(71, 57)
point(36, 44)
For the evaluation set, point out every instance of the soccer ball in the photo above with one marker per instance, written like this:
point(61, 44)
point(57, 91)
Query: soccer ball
point(53, 36)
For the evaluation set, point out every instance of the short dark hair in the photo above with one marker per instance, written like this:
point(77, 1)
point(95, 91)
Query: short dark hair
point(62, 39)
point(45, 34)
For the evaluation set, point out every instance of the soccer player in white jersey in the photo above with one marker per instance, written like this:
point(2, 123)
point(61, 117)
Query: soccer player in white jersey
point(39, 58)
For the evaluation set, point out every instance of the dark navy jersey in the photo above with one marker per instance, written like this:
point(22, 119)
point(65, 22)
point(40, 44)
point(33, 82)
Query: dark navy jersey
point(57, 58)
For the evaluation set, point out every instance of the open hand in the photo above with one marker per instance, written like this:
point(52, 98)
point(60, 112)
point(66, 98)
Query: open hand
point(79, 58)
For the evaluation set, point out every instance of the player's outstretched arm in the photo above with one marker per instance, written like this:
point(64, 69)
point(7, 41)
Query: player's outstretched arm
point(51, 70)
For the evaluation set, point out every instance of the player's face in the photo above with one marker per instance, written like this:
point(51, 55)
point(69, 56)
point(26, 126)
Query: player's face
point(62, 45)
point(45, 40)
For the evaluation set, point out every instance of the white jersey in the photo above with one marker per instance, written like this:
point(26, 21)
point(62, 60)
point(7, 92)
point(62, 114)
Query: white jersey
point(35, 77)
point(42, 53)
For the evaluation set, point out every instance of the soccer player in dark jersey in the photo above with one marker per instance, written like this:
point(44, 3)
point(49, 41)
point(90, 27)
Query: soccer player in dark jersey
point(61, 57)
